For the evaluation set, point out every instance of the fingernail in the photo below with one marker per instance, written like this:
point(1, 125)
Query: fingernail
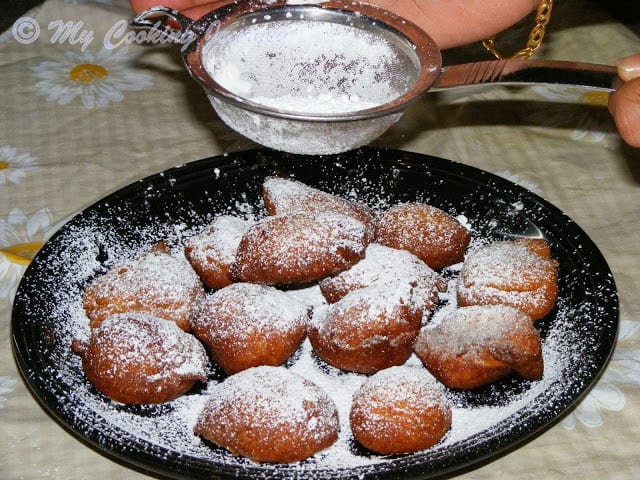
point(629, 67)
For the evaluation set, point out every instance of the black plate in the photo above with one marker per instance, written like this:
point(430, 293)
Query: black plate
point(578, 336)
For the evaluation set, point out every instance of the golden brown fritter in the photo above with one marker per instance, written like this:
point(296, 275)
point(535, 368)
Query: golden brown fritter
point(298, 248)
point(247, 325)
point(517, 273)
point(431, 234)
point(138, 359)
point(474, 346)
point(213, 251)
point(156, 283)
point(269, 414)
point(400, 410)
point(367, 330)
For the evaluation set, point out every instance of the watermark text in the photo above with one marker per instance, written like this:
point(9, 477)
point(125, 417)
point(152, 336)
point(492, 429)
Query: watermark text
point(27, 30)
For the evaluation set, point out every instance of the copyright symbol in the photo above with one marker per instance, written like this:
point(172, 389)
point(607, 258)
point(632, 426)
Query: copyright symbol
point(25, 30)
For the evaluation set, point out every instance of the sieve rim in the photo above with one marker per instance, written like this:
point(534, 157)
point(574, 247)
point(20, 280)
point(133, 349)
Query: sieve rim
point(427, 53)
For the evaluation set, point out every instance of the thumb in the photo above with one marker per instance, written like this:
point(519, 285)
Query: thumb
point(624, 104)
point(629, 67)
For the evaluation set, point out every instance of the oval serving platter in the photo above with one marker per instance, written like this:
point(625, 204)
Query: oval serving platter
point(578, 336)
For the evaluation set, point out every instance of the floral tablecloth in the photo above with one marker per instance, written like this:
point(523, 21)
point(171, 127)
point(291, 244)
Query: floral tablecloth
point(84, 110)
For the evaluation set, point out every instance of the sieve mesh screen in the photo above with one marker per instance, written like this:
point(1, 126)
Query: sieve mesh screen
point(310, 66)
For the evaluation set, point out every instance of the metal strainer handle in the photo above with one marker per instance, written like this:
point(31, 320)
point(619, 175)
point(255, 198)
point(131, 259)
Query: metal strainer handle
point(528, 72)
point(171, 23)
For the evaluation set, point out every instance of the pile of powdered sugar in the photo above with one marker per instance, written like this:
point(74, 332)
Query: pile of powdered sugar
point(83, 247)
point(305, 66)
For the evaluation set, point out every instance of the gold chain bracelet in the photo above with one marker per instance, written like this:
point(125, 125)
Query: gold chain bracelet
point(543, 14)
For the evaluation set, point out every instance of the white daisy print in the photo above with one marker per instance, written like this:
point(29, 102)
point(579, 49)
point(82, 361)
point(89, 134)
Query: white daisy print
point(623, 369)
point(96, 80)
point(6, 386)
point(21, 237)
point(14, 166)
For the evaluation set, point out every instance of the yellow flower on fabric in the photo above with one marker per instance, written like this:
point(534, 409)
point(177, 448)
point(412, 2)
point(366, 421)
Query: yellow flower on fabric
point(14, 166)
point(21, 253)
point(96, 80)
point(87, 73)
point(21, 236)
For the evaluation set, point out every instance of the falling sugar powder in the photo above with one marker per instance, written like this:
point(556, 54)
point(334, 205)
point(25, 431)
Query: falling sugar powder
point(321, 103)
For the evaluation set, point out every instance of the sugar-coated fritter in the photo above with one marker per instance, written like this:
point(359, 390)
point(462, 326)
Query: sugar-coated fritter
point(367, 330)
point(248, 325)
point(283, 195)
point(138, 359)
point(519, 273)
point(213, 251)
point(156, 283)
point(298, 248)
point(431, 234)
point(387, 266)
point(269, 414)
point(400, 410)
point(474, 346)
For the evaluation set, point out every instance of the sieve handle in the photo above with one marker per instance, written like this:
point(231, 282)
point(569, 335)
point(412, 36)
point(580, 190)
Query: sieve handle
point(529, 72)
point(164, 21)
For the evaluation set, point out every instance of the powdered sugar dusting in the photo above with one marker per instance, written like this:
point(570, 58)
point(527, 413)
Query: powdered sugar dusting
point(155, 282)
point(172, 428)
point(505, 264)
point(159, 341)
point(323, 103)
point(220, 240)
point(312, 67)
point(508, 272)
point(256, 308)
point(475, 327)
point(373, 305)
point(384, 266)
point(271, 389)
point(300, 247)
point(413, 384)
point(88, 246)
point(290, 62)
point(273, 405)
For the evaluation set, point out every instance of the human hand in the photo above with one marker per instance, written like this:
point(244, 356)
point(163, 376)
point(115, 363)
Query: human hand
point(624, 103)
point(450, 24)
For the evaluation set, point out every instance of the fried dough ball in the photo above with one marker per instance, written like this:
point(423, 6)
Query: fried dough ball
point(156, 283)
point(387, 266)
point(269, 414)
point(474, 346)
point(138, 359)
point(282, 195)
point(400, 410)
point(212, 252)
point(298, 248)
point(247, 325)
point(519, 273)
point(431, 234)
point(367, 330)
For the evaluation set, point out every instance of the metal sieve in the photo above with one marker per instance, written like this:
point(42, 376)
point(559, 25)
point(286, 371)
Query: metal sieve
point(326, 78)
